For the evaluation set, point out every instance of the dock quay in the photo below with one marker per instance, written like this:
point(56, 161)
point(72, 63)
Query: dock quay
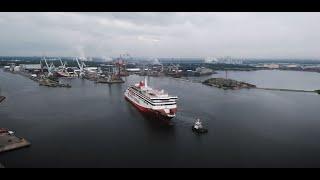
point(51, 83)
point(2, 98)
point(184, 79)
point(27, 75)
point(43, 81)
point(8, 141)
point(109, 81)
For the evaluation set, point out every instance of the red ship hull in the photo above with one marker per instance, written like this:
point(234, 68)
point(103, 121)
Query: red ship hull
point(152, 112)
point(58, 74)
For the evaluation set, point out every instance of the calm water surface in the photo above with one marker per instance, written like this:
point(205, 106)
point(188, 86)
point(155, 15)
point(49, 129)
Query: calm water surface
point(91, 125)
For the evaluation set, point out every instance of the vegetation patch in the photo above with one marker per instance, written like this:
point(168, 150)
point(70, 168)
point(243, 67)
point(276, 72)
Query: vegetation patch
point(227, 83)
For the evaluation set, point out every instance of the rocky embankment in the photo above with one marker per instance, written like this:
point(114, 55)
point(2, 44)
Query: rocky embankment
point(51, 83)
point(227, 83)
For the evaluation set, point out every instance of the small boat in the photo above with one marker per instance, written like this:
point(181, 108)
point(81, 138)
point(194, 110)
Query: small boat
point(198, 128)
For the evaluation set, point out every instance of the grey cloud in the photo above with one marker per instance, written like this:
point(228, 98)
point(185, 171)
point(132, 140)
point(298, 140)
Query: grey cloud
point(290, 35)
point(141, 18)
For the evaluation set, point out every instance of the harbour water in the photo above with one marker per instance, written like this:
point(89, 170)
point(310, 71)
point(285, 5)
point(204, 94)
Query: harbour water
point(274, 78)
point(92, 125)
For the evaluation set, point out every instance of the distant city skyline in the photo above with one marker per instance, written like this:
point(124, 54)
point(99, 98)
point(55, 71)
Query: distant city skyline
point(179, 35)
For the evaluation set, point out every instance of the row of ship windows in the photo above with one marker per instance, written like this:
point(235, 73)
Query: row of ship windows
point(148, 97)
point(147, 102)
point(144, 96)
point(140, 100)
point(139, 96)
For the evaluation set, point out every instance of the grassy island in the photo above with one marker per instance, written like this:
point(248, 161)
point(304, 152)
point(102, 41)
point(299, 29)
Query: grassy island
point(227, 83)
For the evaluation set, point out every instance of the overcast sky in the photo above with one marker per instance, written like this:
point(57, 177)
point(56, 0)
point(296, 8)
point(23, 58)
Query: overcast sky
point(256, 35)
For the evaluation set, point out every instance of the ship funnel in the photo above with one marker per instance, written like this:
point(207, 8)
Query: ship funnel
point(145, 82)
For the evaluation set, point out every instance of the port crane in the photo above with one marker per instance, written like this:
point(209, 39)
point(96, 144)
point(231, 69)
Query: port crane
point(81, 67)
point(63, 70)
point(63, 65)
point(121, 64)
point(50, 68)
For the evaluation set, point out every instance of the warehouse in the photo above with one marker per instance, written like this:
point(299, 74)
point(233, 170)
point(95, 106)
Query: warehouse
point(31, 68)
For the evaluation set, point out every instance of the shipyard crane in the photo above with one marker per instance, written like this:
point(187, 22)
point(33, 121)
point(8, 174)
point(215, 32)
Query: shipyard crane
point(50, 68)
point(63, 65)
point(63, 71)
point(120, 63)
point(81, 67)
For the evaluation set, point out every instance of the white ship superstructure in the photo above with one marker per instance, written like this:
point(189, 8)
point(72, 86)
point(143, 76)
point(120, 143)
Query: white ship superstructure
point(150, 100)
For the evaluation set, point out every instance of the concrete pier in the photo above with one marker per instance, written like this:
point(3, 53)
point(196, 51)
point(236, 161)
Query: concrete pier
point(11, 142)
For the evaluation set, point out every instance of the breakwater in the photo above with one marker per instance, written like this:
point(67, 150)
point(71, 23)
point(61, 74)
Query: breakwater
point(291, 90)
point(233, 84)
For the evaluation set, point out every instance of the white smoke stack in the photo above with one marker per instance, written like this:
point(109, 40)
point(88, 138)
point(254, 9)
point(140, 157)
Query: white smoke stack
point(156, 61)
point(107, 59)
point(145, 82)
point(82, 55)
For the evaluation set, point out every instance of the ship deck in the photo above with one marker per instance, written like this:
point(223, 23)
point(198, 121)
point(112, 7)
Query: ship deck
point(11, 142)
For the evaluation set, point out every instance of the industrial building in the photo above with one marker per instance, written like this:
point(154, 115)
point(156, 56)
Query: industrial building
point(31, 68)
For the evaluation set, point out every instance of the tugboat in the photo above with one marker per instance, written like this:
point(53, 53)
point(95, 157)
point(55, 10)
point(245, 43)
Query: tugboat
point(198, 128)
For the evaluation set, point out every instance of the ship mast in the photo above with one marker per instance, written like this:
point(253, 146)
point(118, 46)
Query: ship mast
point(145, 81)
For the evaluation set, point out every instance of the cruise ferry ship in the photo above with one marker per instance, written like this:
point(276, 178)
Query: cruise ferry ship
point(152, 101)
